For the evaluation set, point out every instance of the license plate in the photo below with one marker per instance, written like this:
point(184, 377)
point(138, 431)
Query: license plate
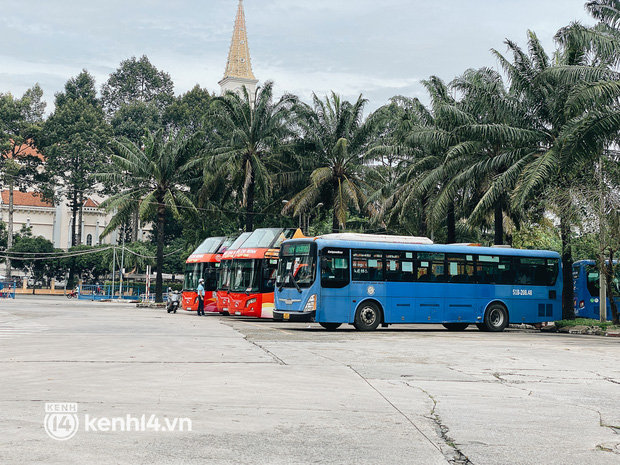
point(189, 308)
point(237, 313)
point(286, 316)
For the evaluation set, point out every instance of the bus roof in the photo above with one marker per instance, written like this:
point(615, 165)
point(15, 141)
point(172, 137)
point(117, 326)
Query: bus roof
point(376, 238)
point(466, 249)
point(268, 238)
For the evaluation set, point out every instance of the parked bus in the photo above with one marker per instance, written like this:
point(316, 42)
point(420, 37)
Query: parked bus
point(203, 263)
point(368, 281)
point(253, 272)
point(223, 282)
point(586, 289)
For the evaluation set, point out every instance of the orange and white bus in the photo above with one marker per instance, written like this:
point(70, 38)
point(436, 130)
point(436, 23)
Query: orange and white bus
point(223, 282)
point(253, 272)
point(204, 263)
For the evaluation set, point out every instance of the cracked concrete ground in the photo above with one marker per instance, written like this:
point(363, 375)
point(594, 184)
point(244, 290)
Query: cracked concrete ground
point(262, 392)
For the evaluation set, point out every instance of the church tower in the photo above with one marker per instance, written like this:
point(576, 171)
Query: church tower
point(239, 68)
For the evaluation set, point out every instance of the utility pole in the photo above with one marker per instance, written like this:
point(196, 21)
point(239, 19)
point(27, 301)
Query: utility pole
point(120, 289)
point(601, 275)
point(113, 268)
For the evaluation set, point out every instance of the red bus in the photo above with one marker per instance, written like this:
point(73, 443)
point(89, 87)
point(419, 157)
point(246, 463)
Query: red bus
point(204, 263)
point(223, 281)
point(253, 272)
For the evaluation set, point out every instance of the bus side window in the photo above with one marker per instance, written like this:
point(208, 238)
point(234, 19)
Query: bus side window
point(367, 265)
point(392, 267)
point(335, 271)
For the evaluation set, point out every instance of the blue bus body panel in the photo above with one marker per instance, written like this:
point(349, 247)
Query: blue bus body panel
point(428, 302)
point(591, 303)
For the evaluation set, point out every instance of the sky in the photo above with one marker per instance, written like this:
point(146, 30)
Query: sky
point(378, 48)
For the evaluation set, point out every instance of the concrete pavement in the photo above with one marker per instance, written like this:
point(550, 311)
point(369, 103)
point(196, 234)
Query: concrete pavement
point(261, 392)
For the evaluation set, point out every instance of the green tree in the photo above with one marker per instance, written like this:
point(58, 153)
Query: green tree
point(336, 139)
point(190, 111)
point(74, 140)
point(250, 133)
point(158, 171)
point(137, 80)
point(32, 255)
point(20, 123)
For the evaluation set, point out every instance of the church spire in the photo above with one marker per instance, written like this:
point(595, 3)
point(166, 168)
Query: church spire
point(239, 67)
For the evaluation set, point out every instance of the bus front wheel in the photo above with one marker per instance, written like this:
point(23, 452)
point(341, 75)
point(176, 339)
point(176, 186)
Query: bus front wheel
point(330, 326)
point(496, 318)
point(456, 326)
point(367, 317)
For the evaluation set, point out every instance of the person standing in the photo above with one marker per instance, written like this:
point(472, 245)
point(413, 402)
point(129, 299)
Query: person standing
point(201, 296)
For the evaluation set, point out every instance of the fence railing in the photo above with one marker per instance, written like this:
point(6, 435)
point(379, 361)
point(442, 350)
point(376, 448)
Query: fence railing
point(105, 292)
point(7, 289)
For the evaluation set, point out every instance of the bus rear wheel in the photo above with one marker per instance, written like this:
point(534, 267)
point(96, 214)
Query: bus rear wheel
point(330, 326)
point(456, 326)
point(367, 317)
point(496, 318)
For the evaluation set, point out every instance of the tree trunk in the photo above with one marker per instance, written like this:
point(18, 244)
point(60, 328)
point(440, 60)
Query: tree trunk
point(423, 230)
point(451, 223)
point(568, 306)
point(135, 224)
point(609, 277)
point(80, 219)
point(9, 239)
point(249, 208)
point(74, 203)
point(161, 218)
point(499, 224)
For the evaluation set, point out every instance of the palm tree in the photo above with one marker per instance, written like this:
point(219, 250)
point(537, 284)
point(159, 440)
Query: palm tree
point(429, 171)
point(335, 138)
point(251, 131)
point(550, 163)
point(158, 173)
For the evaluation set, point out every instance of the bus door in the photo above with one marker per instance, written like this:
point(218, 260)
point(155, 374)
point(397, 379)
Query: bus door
point(400, 276)
point(461, 302)
point(368, 278)
point(430, 287)
point(335, 275)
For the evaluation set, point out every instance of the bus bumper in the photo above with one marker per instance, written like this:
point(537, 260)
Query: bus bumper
point(279, 315)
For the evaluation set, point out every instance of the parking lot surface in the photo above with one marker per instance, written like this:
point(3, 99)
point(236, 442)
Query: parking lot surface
point(228, 390)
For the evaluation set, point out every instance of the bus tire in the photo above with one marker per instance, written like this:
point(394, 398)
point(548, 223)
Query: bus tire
point(456, 326)
point(496, 318)
point(367, 317)
point(330, 326)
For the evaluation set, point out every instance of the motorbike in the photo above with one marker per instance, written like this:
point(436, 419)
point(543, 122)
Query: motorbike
point(72, 294)
point(173, 302)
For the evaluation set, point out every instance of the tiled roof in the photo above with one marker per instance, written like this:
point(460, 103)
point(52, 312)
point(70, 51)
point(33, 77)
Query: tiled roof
point(26, 199)
point(91, 203)
point(25, 150)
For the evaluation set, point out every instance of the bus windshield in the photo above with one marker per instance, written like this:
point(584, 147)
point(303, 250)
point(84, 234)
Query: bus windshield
point(297, 265)
point(245, 275)
point(210, 245)
point(195, 271)
point(593, 284)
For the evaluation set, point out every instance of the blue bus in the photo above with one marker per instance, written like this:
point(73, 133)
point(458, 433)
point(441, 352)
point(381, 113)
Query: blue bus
point(586, 289)
point(368, 281)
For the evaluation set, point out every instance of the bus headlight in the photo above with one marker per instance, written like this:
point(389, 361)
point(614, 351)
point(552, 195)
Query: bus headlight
point(250, 302)
point(311, 304)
